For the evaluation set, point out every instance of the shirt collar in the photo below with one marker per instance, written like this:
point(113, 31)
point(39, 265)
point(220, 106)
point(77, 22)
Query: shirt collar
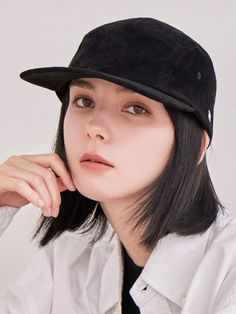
point(173, 262)
point(169, 269)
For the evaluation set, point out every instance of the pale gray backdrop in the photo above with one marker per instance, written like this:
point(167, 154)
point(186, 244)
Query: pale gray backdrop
point(47, 33)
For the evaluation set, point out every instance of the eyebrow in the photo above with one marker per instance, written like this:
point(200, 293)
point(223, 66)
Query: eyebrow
point(89, 85)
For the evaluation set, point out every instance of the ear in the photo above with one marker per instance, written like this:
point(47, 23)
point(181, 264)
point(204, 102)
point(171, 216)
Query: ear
point(205, 142)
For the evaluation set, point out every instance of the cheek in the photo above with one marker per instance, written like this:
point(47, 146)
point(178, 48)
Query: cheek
point(149, 155)
point(71, 135)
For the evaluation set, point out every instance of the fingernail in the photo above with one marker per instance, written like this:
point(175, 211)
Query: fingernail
point(49, 211)
point(56, 212)
point(72, 186)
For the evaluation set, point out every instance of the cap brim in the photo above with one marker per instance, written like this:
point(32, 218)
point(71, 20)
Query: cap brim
point(57, 78)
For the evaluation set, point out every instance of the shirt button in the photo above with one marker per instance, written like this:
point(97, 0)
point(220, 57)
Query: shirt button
point(145, 288)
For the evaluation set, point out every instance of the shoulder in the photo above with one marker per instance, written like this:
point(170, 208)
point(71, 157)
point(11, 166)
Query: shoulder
point(75, 243)
point(222, 249)
point(223, 229)
point(222, 236)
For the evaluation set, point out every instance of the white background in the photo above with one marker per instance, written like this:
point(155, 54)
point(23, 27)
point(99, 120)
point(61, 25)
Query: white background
point(48, 33)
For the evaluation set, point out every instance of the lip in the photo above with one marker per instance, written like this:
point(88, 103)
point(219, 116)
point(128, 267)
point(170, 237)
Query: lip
point(95, 166)
point(88, 157)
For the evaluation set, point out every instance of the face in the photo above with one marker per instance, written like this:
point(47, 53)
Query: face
point(132, 132)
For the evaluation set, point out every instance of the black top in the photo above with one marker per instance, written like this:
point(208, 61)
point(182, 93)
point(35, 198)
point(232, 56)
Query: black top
point(131, 273)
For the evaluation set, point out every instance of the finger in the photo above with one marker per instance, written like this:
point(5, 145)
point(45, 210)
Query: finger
point(52, 186)
point(61, 185)
point(22, 188)
point(34, 177)
point(44, 181)
point(54, 162)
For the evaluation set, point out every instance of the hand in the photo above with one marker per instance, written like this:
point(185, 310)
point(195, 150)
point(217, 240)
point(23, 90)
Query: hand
point(32, 179)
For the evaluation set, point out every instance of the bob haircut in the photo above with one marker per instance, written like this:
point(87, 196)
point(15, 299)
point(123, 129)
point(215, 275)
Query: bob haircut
point(181, 200)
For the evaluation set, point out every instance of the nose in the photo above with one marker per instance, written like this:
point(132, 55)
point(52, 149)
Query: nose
point(95, 135)
point(97, 127)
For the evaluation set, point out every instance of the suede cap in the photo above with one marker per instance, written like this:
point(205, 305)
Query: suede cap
point(146, 55)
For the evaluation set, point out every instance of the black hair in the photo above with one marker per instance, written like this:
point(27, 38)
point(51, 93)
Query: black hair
point(182, 200)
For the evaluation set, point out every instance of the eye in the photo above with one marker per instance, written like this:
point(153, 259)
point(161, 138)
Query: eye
point(139, 110)
point(82, 102)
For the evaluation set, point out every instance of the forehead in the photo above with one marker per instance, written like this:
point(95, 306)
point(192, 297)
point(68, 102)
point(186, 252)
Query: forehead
point(93, 83)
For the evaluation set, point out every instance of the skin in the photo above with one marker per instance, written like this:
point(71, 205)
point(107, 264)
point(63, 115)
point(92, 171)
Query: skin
point(109, 123)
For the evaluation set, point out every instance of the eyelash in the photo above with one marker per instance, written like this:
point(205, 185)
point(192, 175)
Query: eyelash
point(136, 114)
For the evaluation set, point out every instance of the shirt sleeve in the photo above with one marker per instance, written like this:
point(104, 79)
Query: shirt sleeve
point(32, 292)
point(6, 215)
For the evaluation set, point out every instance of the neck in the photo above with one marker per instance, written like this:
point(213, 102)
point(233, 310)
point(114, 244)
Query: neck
point(129, 239)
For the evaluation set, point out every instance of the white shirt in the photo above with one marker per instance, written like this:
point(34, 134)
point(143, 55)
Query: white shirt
point(194, 274)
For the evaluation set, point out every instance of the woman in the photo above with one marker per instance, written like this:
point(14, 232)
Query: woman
point(131, 222)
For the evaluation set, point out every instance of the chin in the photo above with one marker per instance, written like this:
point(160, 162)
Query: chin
point(91, 194)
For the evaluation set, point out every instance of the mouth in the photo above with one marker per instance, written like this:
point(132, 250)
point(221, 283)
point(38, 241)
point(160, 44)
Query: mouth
point(94, 158)
point(95, 165)
point(98, 162)
point(95, 162)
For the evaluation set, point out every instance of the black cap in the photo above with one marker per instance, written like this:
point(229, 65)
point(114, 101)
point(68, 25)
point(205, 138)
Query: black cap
point(145, 55)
